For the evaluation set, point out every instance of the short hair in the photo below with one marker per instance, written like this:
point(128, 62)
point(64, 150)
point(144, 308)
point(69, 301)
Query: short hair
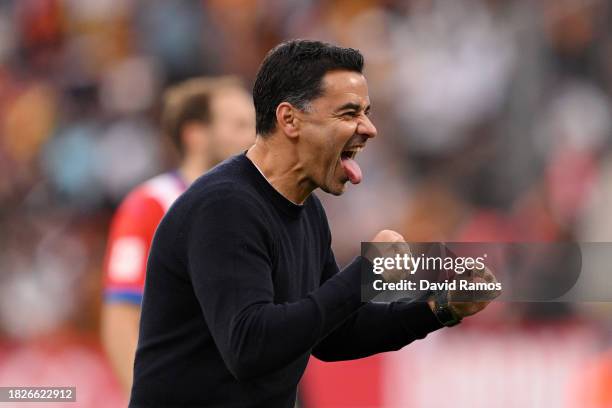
point(189, 101)
point(292, 72)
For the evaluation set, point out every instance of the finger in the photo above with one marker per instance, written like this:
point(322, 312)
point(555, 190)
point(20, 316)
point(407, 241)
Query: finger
point(488, 276)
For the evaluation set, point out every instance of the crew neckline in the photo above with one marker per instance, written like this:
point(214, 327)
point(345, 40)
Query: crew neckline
point(279, 200)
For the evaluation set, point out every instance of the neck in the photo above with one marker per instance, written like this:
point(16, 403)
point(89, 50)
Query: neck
point(281, 166)
point(192, 167)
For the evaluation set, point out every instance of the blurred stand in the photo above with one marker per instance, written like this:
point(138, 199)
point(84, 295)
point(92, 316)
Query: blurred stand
point(494, 122)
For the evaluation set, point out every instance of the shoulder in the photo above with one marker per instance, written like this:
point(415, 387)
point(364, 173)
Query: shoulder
point(154, 195)
point(225, 187)
point(163, 189)
point(226, 201)
point(137, 212)
point(224, 213)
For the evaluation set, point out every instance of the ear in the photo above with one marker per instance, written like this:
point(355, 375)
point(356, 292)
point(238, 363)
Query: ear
point(287, 120)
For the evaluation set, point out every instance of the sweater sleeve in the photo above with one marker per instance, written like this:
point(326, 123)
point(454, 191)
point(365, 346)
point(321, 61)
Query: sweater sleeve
point(230, 265)
point(375, 328)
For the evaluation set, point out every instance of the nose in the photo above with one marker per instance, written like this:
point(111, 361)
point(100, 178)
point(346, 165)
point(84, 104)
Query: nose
point(366, 128)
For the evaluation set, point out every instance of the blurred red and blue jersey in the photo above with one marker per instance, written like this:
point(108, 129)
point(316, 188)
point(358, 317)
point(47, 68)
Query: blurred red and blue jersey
point(131, 233)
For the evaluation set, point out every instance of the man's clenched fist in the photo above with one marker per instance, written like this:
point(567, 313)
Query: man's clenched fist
point(396, 245)
point(465, 303)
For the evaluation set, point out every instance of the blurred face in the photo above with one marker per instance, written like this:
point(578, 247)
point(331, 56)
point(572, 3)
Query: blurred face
point(232, 129)
point(334, 129)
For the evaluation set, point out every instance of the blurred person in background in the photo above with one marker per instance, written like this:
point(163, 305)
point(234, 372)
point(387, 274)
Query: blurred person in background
point(208, 119)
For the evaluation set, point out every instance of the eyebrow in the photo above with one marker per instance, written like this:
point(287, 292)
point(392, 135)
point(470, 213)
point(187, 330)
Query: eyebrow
point(352, 106)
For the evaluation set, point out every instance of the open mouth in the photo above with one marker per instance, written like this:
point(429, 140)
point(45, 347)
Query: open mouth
point(350, 166)
point(350, 153)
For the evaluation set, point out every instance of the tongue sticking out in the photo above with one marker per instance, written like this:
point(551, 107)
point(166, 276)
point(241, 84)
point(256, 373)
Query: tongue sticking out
point(352, 170)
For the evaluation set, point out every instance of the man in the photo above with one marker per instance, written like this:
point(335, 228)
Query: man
point(208, 119)
point(242, 286)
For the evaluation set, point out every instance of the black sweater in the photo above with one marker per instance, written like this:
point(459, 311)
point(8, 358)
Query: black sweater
point(242, 286)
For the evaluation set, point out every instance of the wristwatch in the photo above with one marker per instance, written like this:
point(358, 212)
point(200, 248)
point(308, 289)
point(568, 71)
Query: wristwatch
point(444, 313)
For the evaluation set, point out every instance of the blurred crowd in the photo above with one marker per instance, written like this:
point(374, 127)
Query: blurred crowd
point(494, 120)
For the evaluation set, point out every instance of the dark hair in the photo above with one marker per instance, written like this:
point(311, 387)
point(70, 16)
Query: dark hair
point(292, 72)
point(189, 101)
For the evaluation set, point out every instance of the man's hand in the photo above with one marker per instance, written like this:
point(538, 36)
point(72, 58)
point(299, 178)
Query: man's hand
point(466, 303)
point(462, 303)
point(396, 245)
point(388, 236)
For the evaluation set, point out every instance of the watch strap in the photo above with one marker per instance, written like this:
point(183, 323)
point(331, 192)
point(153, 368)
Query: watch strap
point(444, 313)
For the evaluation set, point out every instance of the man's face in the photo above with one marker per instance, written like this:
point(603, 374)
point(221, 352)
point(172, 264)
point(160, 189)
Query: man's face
point(232, 129)
point(333, 129)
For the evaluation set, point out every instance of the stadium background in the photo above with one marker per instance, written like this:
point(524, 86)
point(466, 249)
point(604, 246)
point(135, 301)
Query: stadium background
point(494, 123)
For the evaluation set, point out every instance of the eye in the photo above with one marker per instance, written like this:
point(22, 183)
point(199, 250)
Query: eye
point(350, 114)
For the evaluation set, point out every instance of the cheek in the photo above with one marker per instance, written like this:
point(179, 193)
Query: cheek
point(330, 150)
point(333, 166)
point(225, 138)
point(325, 148)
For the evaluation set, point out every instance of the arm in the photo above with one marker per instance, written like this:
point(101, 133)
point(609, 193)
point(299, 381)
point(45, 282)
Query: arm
point(376, 327)
point(230, 258)
point(379, 327)
point(119, 338)
point(130, 235)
